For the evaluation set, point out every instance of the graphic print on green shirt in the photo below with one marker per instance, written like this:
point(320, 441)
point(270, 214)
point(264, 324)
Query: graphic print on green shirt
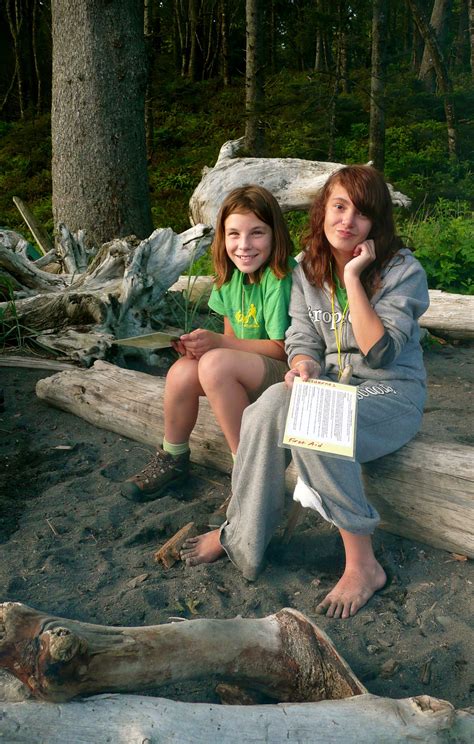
point(255, 311)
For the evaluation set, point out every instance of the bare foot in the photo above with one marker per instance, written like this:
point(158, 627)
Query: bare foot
point(205, 548)
point(352, 591)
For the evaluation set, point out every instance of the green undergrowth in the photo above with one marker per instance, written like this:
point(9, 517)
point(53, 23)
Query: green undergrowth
point(193, 120)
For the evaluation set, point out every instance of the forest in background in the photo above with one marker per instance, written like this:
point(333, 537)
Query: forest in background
point(315, 69)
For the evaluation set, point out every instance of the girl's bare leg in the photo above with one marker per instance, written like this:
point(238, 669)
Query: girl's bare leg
point(181, 400)
point(362, 577)
point(227, 376)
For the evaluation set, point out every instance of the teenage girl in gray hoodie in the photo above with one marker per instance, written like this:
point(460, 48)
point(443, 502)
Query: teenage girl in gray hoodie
point(356, 299)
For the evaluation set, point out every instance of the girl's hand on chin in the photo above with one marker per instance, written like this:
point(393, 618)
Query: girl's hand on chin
point(363, 255)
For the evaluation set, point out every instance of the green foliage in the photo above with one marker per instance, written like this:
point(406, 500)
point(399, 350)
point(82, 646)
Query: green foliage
point(192, 120)
point(12, 332)
point(25, 171)
point(443, 238)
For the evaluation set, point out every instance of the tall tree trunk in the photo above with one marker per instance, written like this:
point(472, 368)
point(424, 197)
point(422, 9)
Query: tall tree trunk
point(254, 93)
point(442, 77)
point(377, 84)
point(224, 46)
point(272, 37)
point(193, 70)
point(462, 37)
point(318, 57)
point(15, 18)
point(340, 53)
point(416, 49)
point(181, 38)
point(438, 21)
point(471, 33)
point(148, 30)
point(100, 181)
point(35, 56)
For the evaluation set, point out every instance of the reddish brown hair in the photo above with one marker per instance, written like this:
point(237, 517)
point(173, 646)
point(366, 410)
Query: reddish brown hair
point(369, 192)
point(263, 204)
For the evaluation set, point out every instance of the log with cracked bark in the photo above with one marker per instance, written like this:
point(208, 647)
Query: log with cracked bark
point(423, 491)
point(284, 655)
point(120, 294)
point(134, 719)
point(293, 182)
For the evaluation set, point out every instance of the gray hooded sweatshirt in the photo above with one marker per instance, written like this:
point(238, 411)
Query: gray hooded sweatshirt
point(400, 300)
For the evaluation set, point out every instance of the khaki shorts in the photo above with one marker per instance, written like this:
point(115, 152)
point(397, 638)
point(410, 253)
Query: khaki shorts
point(275, 371)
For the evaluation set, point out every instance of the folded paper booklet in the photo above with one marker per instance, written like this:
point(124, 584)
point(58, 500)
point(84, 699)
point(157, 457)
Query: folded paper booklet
point(322, 417)
point(158, 340)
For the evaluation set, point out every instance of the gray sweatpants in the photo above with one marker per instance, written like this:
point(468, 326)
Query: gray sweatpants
point(385, 421)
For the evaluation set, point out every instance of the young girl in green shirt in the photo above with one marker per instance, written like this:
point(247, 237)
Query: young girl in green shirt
point(252, 263)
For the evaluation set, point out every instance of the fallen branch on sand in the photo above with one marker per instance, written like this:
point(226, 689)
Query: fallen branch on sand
point(433, 506)
point(284, 655)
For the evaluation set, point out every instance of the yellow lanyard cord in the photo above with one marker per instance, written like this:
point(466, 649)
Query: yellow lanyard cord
point(338, 331)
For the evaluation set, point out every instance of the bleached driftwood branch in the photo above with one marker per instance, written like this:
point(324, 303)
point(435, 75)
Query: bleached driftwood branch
point(293, 182)
point(134, 719)
point(119, 294)
point(438, 476)
point(283, 655)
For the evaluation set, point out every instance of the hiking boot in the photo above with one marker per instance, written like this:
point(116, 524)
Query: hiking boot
point(163, 470)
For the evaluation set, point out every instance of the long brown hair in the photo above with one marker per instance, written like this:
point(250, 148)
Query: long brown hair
point(263, 204)
point(369, 192)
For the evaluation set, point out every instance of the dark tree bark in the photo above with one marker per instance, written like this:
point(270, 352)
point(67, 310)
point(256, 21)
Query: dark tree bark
point(442, 77)
point(461, 55)
point(148, 30)
point(224, 43)
point(471, 33)
point(254, 79)
point(193, 69)
point(99, 172)
point(377, 84)
point(438, 23)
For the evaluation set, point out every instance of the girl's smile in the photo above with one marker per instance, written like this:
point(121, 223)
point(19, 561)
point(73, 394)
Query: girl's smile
point(248, 241)
point(344, 226)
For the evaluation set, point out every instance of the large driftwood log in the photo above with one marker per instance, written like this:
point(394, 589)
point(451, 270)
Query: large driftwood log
point(449, 315)
point(424, 491)
point(293, 182)
point(284, 656)
point(120, 294)
point(133, 719)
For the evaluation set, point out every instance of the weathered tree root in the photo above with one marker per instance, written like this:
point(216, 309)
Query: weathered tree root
point(285, 656)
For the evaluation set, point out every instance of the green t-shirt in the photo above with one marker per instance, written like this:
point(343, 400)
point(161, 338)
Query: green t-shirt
point(341, 293)
point(255, 310)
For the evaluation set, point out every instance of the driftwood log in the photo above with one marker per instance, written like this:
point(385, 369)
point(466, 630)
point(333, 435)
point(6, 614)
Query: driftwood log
point(134, 719)
point(119, 293)
point(293, 182)
point(424, 491)
point(284, 656)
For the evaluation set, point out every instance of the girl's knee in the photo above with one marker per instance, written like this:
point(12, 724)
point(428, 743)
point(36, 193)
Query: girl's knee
point(182, 373)
point(216, 364)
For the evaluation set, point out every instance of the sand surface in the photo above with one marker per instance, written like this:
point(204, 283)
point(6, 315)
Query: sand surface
point(70, 545)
